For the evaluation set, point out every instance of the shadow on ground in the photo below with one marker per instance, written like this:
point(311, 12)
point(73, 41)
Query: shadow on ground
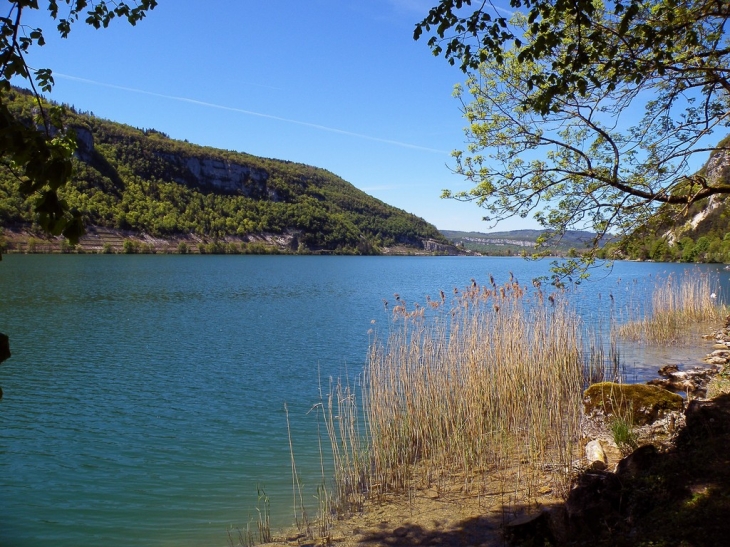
point(681, 497)
point(482, 531)
point(676, 498)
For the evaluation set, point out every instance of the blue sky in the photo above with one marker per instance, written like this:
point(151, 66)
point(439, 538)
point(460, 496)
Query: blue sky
point(338, 84)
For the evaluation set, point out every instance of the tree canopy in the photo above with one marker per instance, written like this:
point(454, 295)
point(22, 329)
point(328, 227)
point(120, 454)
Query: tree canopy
point(41, 159)
point(586, 114)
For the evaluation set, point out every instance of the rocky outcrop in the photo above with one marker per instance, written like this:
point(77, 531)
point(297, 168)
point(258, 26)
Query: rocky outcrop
point(84, 143)
point(642, 404)
point(223, 175)
point(4, 352)
point(435, 247)
point(4, 347)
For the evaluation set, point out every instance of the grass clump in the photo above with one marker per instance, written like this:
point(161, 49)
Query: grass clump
point(245, 537)
point(624, 435)
point(676, 304)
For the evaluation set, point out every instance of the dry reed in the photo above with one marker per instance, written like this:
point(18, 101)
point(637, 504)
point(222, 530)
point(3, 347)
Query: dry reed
point(300, 513)
point(676, 304)
point(481, 389)
point(487, 387)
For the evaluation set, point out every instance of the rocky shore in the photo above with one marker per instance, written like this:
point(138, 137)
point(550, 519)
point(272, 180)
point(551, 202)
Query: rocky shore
point(663, 479)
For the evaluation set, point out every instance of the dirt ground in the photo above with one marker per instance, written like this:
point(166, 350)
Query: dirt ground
point(445, 516)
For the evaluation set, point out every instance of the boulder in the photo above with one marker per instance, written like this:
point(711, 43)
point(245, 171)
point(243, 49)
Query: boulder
point(594, 502)
point(531, 529)
point(596, 456)
point(639, 461)
point(711, 417)
point(641, 404)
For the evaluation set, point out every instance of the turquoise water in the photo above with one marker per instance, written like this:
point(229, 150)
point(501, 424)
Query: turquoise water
point(144, 402)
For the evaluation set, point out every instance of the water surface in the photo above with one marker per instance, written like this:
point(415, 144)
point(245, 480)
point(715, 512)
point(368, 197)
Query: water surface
point(144, 402)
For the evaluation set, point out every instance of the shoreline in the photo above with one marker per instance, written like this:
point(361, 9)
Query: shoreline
point(101, 240)
point(445, 514)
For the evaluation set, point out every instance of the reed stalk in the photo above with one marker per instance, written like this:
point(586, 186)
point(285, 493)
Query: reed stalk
point(244, 539)
point(300, 513)
point(603, 364)
point(264, 516)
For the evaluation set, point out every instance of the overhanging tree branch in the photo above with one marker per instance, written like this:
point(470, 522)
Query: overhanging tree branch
point(552, 101)
point(43, 160)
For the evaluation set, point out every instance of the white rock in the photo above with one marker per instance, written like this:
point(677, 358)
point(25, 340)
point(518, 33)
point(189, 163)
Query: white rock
point(595, 453)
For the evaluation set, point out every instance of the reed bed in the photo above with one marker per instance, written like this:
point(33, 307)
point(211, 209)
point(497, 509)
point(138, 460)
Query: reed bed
point(479, 390)
point(676, 305)
point(486, 387)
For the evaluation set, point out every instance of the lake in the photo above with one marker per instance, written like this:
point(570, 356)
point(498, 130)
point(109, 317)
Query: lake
point(144, 402)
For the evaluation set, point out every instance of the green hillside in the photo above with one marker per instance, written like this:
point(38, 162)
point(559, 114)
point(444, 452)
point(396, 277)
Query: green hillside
point(141, 181)
point(700, 233)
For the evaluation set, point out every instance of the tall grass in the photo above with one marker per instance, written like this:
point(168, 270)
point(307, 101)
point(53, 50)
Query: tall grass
point(602, 364)
point(676, 304)
point(485, 387)
point(479, 390)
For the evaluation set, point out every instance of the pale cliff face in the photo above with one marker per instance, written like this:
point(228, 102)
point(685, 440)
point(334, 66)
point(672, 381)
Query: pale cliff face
point(85, 142)
point(224, 175)
point(200, 171)
point(717, 168)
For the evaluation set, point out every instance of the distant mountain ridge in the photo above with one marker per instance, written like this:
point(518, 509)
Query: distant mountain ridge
point(516, 241)
point(137, 181)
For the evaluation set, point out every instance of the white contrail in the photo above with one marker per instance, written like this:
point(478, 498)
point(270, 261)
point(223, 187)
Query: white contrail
point(251, 113)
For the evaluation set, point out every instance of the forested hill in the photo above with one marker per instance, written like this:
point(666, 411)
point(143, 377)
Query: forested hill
point(142, 181)
point(700, 233)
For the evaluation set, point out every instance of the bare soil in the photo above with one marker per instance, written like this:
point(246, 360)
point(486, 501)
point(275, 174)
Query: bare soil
point(447, 515)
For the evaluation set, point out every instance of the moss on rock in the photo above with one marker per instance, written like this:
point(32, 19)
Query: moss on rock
point(720, 384)
point(638, 403)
